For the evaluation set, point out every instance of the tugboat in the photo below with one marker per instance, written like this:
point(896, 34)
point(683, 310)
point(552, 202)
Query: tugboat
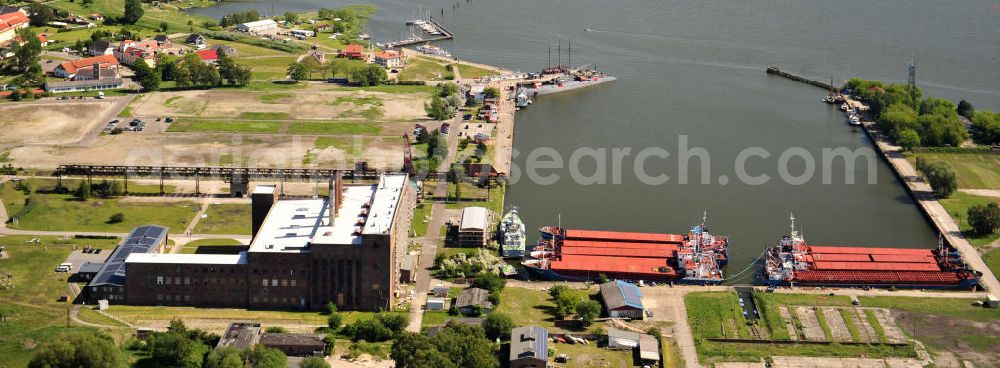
point(512, 233)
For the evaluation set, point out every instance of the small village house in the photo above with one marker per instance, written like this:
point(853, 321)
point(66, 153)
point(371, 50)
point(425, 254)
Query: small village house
point(353, 52)
point(389, 59)
point(529, 347)
point(471, 299)
point(69, 69)
point(197, 40)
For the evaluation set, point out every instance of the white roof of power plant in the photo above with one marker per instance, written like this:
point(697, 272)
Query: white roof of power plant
point(474, 218)
point(181, 258)
point(292, 225)
point(260, 23)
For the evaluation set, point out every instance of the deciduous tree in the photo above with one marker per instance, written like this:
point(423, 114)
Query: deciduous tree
point(133, 11)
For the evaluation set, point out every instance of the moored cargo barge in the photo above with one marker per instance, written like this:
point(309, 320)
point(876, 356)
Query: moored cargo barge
point(794, 262)
point(584, 255)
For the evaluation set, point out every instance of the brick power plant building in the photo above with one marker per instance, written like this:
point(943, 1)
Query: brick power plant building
point(346, 248)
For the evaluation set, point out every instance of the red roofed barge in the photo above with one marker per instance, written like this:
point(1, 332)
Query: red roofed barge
point(793, 261)
point(583, 255)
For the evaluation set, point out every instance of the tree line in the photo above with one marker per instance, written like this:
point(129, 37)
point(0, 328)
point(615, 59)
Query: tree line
point(908, 119)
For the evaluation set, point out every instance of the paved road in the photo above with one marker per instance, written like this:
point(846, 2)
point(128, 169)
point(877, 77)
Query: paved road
point(428, 250)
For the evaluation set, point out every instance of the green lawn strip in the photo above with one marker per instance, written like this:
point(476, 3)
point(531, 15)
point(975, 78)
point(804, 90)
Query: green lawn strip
point(224, 126)
point(387, 88)
point(810, 300)
point(468, 71)
point(275, 98)
point(333, 127)
point(433, 318)
point(958, 205)
point(87, 314)
point(256, 115)
point(376, 349)
point(140, 314)
point(421, 217)
point(586, 356)
point(213, 246)
point(951, 307)
point(797, 323)
point(494, 204)
point(823, 323)
point(259, 86)
point(848, 316)
point(244, 50)
point(979, 170)
point(225, 218)
point(711, 314)
point(873, 321)
point(981, 343)
point(992, 260)
point(449, 251)
point(770, 314)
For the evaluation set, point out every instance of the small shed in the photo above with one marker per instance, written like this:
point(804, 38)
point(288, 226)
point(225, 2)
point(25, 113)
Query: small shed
point(649, 348)
point(293, 344)
point(435, 304)
point(408, 269)
point(441, 290)
point(622, 299)
point(622, 340)
point(992, 301)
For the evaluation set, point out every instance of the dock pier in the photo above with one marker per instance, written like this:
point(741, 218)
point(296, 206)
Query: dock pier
point(775, 70)
point(447, 35)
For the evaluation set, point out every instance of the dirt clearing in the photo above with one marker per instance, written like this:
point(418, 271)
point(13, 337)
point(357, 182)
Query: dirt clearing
point(49, 123)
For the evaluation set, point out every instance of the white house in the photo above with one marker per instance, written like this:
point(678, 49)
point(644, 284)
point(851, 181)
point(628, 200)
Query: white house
point(257, 26)
point(389, 59)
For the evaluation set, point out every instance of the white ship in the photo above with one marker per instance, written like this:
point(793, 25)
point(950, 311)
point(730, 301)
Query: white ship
point(512, 237)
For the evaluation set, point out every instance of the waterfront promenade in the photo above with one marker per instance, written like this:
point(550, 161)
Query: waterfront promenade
point(924, 196)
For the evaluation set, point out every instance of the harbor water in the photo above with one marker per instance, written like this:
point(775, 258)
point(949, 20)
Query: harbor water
point(694, 71)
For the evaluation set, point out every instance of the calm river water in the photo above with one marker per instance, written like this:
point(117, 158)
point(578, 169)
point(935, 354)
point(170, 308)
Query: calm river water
point(696, 70)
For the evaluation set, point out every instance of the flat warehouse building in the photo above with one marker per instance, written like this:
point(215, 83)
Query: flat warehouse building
point(305, 253)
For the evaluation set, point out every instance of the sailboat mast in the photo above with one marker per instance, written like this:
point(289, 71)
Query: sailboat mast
point(570, 44)
point(559, 51)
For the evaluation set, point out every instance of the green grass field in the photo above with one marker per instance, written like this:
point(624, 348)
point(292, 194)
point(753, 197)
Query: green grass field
point(230, 219)
point(958, 205)
point(213, 246)
point(63, 212)
point(333, 127)
point(469, 71)
point(243, 50)
point(973, 170)
point(423, 69)
point(268, 68)
point(255, 115)
point(32, 311)
point(276, 98)
point(952, 307)
point(534, 307)
point(717, 315)
point(224, 126)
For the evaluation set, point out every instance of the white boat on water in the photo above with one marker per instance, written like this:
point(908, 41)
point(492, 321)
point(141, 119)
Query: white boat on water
point(512, 235)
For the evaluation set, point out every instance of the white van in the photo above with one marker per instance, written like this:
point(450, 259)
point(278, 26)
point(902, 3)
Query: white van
point(64, 267)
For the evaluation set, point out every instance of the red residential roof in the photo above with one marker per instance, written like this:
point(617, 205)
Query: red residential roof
point(12, 20)
point(353, 49)
point(391, 54)
point(623, 236)
point(207, 55)
point(42, 38)
point(72, 66)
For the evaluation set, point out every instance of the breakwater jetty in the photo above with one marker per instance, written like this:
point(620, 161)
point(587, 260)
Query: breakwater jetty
point(775, 70)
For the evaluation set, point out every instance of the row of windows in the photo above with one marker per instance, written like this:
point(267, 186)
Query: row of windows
point(277, 300)
point(274, 282)
point(178, 280)
point(176, 298)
